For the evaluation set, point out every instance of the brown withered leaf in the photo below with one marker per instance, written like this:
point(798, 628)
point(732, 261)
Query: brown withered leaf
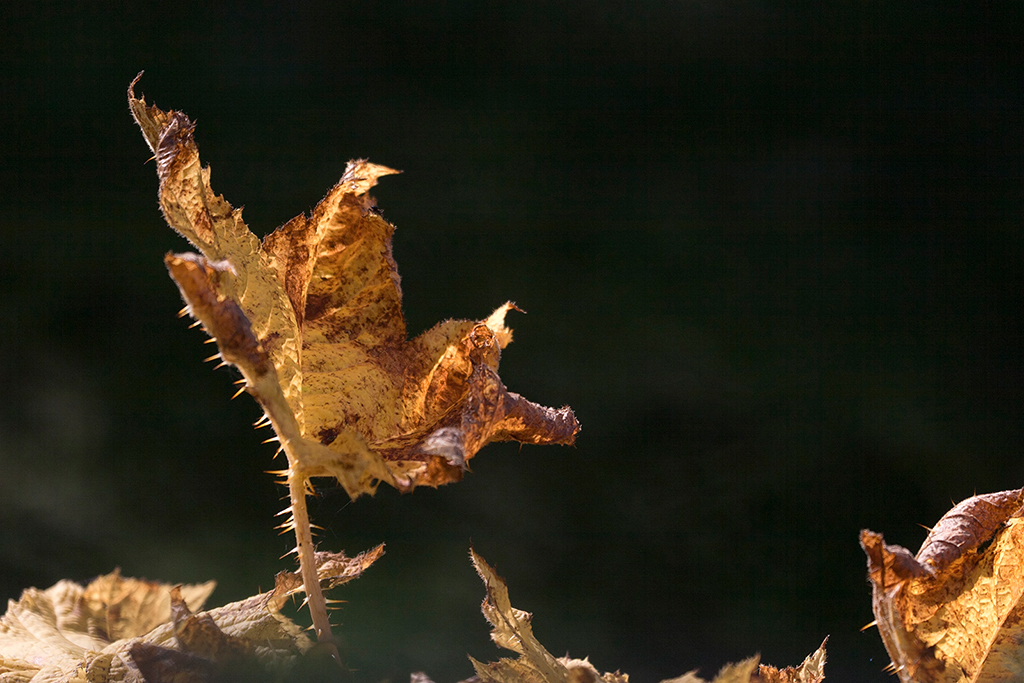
point(511, 630)
point(811, 670)
point(954, 611)
point(317, 304)
point(740, 672)
point(333, 570)
point(750, 670)
point(122, 629)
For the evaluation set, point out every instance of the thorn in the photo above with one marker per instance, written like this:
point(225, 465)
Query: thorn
point(925, 527)
point(329, 601)
point(195, 324)
point(211, 340)
point(238, 393)
point(279, 473)
point(150, 159)
point(279, 451)
point(183, 312)
point(315, 526)
point(284, 512)
point(239, 381)
point(865, 627)
point(271, 439)
point(262, 422)
point(222, 364)
point(213, 357)
point(293, 551)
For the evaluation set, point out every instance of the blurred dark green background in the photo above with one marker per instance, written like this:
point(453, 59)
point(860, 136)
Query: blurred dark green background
point(771, 254)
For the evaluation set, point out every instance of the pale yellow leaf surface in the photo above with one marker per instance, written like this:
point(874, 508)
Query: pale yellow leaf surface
point(53, 632)
point(120, 629)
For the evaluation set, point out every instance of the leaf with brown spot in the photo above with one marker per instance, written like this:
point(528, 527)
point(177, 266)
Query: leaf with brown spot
point(312, 317)
point(954, 611)
point(322, 298)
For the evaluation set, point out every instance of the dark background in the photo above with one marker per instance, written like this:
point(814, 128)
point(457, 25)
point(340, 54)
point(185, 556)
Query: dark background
point(771, 254)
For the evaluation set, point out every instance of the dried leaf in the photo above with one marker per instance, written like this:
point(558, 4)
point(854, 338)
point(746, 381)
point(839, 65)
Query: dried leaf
point(740, 672)
point(511, 630)
point(121, 629)
point(312, 318)
point(333, 569)
point(319, 300)
point(51, 633)
point(811, 670)
point(954, 611)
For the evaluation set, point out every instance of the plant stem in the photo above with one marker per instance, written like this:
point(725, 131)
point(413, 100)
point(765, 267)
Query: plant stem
point(267, 391)
point(307, 561)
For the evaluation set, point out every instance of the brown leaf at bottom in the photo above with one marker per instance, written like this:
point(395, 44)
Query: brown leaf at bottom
point(118, 629)
point(511, 630)
point(811, 670)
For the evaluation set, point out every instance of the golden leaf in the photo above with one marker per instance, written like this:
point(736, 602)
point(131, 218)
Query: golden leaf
point(312, 317)
point(954, 611)
point(319, 300)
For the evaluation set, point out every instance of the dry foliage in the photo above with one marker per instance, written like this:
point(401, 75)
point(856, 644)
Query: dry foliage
point(125, 630)
point(118, 629)
point(953, 612)
point(312, 317)
point(511, 630)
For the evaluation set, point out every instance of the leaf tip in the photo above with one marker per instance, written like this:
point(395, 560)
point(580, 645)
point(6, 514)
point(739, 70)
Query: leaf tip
point(496, 323)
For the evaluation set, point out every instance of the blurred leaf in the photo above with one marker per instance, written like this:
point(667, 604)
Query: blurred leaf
point(122, 629)
point(512, 631)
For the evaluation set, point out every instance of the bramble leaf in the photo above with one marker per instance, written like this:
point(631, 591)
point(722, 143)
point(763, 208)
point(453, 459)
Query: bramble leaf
point(954, 612)
point(320, 297)
point(121, 629)
point(512, 630)
point(312, 318)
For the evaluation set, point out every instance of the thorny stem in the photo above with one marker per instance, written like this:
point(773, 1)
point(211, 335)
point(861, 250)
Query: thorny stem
point(307, 562)
point(267, 391)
